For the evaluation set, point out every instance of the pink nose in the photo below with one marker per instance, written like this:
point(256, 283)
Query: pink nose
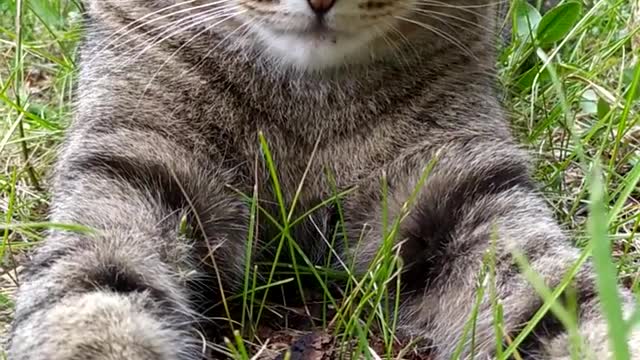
point(321, 6)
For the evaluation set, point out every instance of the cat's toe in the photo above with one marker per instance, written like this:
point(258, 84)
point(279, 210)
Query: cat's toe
point(98, 326)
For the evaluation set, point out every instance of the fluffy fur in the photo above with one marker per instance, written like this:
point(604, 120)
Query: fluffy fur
point(171, 99)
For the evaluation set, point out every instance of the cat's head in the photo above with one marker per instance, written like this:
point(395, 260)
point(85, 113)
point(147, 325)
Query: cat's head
point(323, 34)
point(319, 34)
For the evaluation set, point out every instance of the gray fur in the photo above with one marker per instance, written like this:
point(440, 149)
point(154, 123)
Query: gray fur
point(170, 130)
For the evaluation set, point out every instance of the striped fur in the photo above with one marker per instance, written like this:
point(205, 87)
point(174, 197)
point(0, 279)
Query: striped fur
point(168, 132)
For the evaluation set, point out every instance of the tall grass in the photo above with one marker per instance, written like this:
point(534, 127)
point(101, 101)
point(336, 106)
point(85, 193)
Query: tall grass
point(572, 84)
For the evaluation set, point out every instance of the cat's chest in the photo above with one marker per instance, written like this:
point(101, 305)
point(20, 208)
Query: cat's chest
point(311, 169)
point(308, 147)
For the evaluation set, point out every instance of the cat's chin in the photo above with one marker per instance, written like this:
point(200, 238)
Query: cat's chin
point(316, 51)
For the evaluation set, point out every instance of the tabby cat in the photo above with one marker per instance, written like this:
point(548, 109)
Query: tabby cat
point(172, 97)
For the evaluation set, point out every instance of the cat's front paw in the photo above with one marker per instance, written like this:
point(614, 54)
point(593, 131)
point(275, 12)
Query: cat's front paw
point(97, 326)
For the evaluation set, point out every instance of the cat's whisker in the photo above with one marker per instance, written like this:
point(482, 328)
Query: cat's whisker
point(443, 34)
point(246, 26)
point(398, 53)
point(204, 18)
point(445, 4)
point(144, 23)
point(430, 7)
point(189, 41)
point(440, 15)
point(167, 28)
point(186, 20)
point(402, 37)
point(121, 60)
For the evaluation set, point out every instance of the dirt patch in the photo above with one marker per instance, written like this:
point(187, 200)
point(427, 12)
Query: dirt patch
point(320, 345)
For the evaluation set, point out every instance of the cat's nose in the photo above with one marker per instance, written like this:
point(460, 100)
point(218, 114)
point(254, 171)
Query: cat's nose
point(320, 6)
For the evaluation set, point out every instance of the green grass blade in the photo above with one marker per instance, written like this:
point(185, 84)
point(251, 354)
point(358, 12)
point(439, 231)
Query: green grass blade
point(606, 274)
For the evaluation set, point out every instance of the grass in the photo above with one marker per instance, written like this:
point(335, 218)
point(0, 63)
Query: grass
point(572, 85)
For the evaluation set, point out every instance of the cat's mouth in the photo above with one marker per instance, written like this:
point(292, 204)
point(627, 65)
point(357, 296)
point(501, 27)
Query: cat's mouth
point(318, 32)
point(315, 44)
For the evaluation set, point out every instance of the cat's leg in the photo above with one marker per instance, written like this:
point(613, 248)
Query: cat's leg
point(478, 190)
point(594, 332)
point(122, 292)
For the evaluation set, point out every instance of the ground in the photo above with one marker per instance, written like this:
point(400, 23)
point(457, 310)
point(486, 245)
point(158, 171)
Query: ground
point(571, 84)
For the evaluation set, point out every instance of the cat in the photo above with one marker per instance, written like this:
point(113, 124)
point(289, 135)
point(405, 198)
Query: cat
point(171, 100)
